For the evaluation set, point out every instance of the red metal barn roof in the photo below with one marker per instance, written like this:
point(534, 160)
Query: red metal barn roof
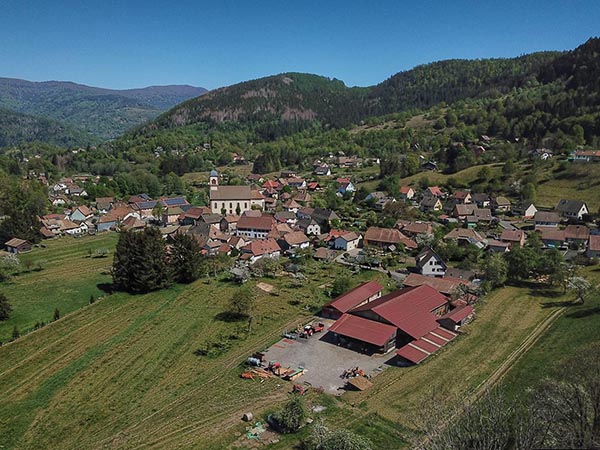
point(412, 354)
point(356, 296)
point(409, 309)
point(458, 314)
point(365, 330)
point(416, 351)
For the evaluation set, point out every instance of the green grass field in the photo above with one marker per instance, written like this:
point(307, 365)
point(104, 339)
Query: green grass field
point(574, 330)
point(67, 280)
point(122, 372)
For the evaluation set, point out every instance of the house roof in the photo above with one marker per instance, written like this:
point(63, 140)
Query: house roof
point(195, 212)
point(484, 214)
point(406, 189)
point(356, 296)
point(594, 243)
point(264, 223)
point(324, 253)
point(388, 236)
point(553, 234)
point(426, 255)
point(445, 285)
point(417, 228)
point(231, 193)
point(174, 201)
point(512, 235)
point(461, 274)
point(458, 314)
point(15, 242)
point(480, 197)
point(262, 247)
point(366, 330)
point(292, 204)
point(435, 191)
point(409, 309)
point(46, 232)
point(570, 206)
point(349, 236)
point(430, 202)
point(132, 222)
point(546, 216)
point(295, 238)
point(578, 232)
point(464, 233)
point(462, 195)
point(464, 210)
point(84, 210)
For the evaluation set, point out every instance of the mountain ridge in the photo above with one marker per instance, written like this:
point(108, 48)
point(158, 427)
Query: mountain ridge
point(100, 112)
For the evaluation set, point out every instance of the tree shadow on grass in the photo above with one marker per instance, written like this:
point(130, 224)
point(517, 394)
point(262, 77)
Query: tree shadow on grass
point(228, 316)
point(108, 288)
point(584, 312)
point(558, 304)
point(545, 292)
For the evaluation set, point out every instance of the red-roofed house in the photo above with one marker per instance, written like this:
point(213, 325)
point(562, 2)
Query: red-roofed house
point(593, 250)
point(254, 227)
point(386, 237)
point(361, 294)
point(407, 192)
point(261, 248)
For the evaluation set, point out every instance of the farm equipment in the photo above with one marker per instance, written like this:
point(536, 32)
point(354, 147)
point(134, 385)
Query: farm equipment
point(354, 372)
point(290, 335)
point(252, 361)
point(311, 329)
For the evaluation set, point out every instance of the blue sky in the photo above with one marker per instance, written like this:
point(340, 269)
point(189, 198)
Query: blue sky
point(131, 43)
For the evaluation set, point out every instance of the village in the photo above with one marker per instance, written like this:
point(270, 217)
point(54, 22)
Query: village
point(360, 332)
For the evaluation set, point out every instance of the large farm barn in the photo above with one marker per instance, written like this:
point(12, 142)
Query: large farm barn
point(414, 321)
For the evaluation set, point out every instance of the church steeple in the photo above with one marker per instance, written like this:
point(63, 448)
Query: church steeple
point(214, 180)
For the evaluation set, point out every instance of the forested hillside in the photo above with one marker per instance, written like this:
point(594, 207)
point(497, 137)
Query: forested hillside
point(103, 113)
point(21, 128)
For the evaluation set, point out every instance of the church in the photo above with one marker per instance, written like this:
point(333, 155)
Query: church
point(233, 200)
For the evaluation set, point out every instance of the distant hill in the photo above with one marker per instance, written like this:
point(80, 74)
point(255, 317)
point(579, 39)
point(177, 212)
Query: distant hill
point(103, 113)
point(288, 97)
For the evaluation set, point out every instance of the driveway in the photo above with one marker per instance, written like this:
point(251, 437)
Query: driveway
point(324, 362)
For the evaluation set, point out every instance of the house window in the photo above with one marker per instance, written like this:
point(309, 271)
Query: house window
point(246, 205)
point(230, 205)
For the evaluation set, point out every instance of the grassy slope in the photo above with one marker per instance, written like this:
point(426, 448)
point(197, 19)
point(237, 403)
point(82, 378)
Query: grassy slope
point(580, 183)
point(68, 278)
point(122, 372)
point(575, 329)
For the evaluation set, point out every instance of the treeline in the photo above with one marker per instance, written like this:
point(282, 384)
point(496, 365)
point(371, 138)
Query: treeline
point(21, 202)
point(143, 263)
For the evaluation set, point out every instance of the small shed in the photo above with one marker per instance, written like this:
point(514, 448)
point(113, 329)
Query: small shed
point(16, 245)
